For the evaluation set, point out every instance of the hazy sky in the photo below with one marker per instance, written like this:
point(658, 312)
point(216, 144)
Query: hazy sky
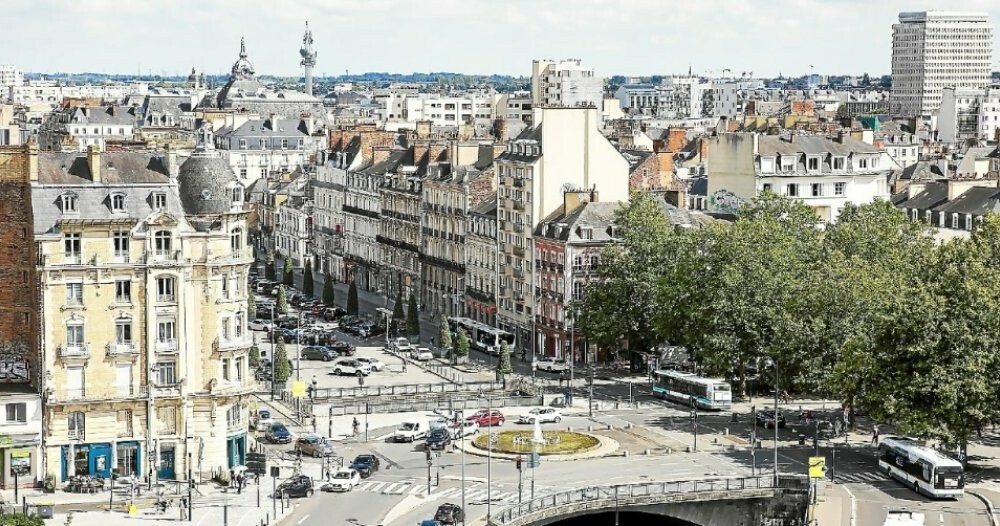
point(639, 37)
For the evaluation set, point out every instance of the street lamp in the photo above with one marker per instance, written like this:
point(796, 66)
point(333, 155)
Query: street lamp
point(489, 460)
point(773, 362)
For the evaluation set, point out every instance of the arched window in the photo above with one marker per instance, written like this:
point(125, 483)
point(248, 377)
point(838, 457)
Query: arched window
point(236, 240)
point(237, 194)
point(161, 242)
point(118, 203)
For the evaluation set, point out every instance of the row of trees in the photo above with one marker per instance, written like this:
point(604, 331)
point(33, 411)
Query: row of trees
point(870, 310)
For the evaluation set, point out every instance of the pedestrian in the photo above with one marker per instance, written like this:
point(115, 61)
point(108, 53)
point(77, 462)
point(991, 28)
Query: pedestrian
point(314, 423)
point(232, 478)
point(355, 426)
point(875, 434)
point(315, 383)
point(524, 355)
point(239, 483)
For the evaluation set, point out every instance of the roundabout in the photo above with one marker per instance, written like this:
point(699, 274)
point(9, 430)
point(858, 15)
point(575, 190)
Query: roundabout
point(553, 443)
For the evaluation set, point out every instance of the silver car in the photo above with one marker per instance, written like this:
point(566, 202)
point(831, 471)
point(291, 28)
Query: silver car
point(350, 366)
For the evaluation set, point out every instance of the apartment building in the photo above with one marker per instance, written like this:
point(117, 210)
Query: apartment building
point(481, 260)
point(566, 83)
point(899, 142)
point(328, 213)
point(399, 235)
point(933, 50)
point(449, 110)
point(76, 128)
point(972, 113)
point(143, 267)
point(259, 147)
point(293, 231)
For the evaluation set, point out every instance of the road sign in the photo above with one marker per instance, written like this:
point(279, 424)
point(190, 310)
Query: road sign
point(817, 467)
point(298, 389)
point(534, 460)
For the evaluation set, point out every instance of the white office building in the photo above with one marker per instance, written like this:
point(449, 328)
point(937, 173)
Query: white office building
point(969, 114)
point(565, 83)
point(932, 50)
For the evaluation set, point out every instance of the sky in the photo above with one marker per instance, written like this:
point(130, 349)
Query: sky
point(627, 37)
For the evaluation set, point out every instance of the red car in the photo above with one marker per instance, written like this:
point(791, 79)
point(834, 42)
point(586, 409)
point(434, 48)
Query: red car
point(318, 309)
point(485, 418)
point(343, 348)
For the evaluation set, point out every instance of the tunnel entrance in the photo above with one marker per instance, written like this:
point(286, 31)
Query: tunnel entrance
point(625, 518)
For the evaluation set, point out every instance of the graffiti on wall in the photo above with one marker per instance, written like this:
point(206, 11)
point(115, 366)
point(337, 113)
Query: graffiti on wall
point(14, 363)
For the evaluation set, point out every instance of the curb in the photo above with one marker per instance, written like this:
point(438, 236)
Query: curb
point(608, 447)
point(989, 506)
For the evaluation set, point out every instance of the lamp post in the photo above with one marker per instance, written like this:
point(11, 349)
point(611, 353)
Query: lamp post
point(273, 362)
point(461, 430)
point(775, 364)
point(489, 461)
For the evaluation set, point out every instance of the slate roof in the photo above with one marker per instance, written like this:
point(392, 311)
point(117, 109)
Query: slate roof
point(977, 201)
point(533, 133)
point(203, 180)
point(635, 158)
point(113, 115)
point(600, 216)
point(276, 127)
point(811, 145)
point(485, 159)
point(397, 157)
point(116, 168)
point(487, 208)
point(167, 104)
point(932, 196)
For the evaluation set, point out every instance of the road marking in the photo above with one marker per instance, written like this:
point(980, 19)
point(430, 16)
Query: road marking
point(303, 519)
point(854, 505)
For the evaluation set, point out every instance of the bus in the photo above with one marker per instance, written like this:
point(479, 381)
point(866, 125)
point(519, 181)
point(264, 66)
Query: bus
point(691, 389)
point(921, 468)
point(481, 336)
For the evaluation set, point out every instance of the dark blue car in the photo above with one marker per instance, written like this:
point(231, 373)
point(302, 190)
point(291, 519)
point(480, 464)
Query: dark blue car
point(365, 465)
point(278, 434)
point(438, 439)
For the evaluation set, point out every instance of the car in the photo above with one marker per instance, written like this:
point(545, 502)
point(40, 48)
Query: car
point(765, 418)
point(317, 309)
point(278, 434)
point(449, 513)
point(363, 329)
point(438, 438)
point(318, 352)
point(366, 465)
point(551, 364)
point(259, 325)
point(333, 313)
point(314, 446)
point(343, 480)
point(296, 486)
point(541, 414)
point(421, 354)
point(350, 366)
point(375, 364)
point(400, 345)
point(376, 330)
point(487, 418)
point(263, 287)
point(262, 420)
point(463, 429)
point(342, 348)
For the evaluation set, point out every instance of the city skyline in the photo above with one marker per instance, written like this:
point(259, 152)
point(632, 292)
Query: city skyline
point(618, 38)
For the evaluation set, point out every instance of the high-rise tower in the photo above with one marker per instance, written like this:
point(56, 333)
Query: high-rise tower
point(308, 58)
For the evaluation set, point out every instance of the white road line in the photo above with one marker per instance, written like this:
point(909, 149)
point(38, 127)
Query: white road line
point(303, 519)
point(376, 486)
point(854, 505)
point(392, 488)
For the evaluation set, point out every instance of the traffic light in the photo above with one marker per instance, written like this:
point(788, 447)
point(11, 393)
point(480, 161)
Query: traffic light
point(428, 452)
point(518, 461)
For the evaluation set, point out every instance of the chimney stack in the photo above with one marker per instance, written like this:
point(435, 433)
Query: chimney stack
point(94, 162)
point(170, 163)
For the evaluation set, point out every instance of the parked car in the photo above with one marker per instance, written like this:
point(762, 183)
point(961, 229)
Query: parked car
point(260, 325)
point(333, 313)
point(278, 434)
point(376, 330)
point(421, 354)
point(318, 352)
point(363, 329)
point(410, 431)
point(342, 348)
point(263, 287)
point(366, 465)
point(765, 418)
point(375, 364)
point(551, 364)
point(350, 366)
point(297, 486)
point(463, 429)
point(317, 309)
point(438, 438)
point(449, 514)
point(262, 420)
point(314, 446)
point(541, 414)
point(400, 345)
point(343, 480)
point(487, 418)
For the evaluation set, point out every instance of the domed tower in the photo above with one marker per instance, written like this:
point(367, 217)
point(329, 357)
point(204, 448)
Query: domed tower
point(207, 185)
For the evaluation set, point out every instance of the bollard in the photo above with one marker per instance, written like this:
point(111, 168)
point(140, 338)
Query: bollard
point(625, 453)
point(687, 449)
point(646, 452)
point(610, 427)
point(726, 431)
point(628, 425)
point(590, 428)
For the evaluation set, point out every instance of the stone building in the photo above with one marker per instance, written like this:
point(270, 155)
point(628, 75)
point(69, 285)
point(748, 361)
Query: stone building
point(481, 253)
point(20, 354)
point(143, 269)
point(399, 225)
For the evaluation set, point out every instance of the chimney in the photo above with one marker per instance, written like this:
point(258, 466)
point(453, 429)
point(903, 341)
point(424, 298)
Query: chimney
point(676, 139)
point(170, 163)
point(841, 135)
point(423, 129)
point(381, 153)
point(435, 151)
point(32, 160)
point(94, 162)
point(957, 188)
point(419, 152)
point(665, 162)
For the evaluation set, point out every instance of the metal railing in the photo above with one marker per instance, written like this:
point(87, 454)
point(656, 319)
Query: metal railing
point(119, 348)
point(348, 393)
point(450, 405)
point(647, 490)
point(74, 350)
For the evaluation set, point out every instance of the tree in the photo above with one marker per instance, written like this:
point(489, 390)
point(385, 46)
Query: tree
point(461, 344)
point(282, 368)
point(270, 272)
point(328, 291)
point(352, 299)
point(445, 335)
point(412, 317)
point(251, 307)
point(619, 305)
point(253, 359)
point(307, 279)
point(397, 308)
point(282, 301)
point(503, 362)
point(288, 277)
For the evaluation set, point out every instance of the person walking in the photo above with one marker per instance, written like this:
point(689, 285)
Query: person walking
point(875, 432)
point(355, 426)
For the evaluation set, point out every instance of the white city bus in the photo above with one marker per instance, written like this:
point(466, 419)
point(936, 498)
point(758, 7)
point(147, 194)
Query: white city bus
point(922, 468)
point(691, 389)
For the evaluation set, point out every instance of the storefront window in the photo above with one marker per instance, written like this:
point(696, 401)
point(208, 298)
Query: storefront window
point(20, 463)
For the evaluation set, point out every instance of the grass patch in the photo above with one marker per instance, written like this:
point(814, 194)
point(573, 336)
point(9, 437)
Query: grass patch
point(556, 442)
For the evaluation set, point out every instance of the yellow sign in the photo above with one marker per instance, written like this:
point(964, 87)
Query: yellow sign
point(817, 467)
point(298, 389)
point(20, 453)
point(133, 510)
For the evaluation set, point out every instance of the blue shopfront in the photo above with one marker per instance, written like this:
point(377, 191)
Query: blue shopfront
point(236, 450)
point(99, 459)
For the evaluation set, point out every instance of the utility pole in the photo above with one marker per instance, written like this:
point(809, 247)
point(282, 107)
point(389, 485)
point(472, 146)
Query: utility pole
point(694, 420)
point(753, 441)
point(191, 489)
point(775, 422)
point(520, 481)
point(590, 382)
point(430, 463)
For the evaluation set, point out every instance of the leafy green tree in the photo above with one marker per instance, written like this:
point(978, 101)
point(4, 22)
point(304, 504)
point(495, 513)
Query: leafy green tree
point(397, 308)
point(253, 358)
point(288, 277)
point(412, 317)
point(503, 362)
point(445, 334)
point(620, 304)
point(270, 272)
point(282, 301)
point(282, 368)
point(352, 299)
point(251, 307)
point(461, 343)
point(328, 291)
point(307, 279)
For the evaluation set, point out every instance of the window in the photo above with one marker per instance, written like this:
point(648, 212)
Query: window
point(74, 336)
point(76, 424)
point(123, 332)
point(787, 164)
point(792, 190)
point(284, 144)
point(166, 373)
point(839, 188)
point(17, 412)
point(119, 241)
point(838, 163)
point(125, 423)
point(165, 289)
point(167, 417)
point(238, 325)
point(159, 201)
point(118, 203)
point(968, 221)
point(225, 286)
point(243, 174)
point(71, 244)
point(236, 241)
point(166, 332)
point(74, 294)
point(226, 325)
point(123, 291)
point(161, 242)
point(577, 290)
point(813, 164)
point(69, 204)
point(238, 194)
point(863, 162)
point(817, 189)
point(225, 369)
point(766, 188)
point(238, 370)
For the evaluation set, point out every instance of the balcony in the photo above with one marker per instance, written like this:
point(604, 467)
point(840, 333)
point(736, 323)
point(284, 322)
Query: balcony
point(166, 346)
point(519, 228)
point(122, 349)
point(518, 251)
point(518, 182)
point(120, 257)
point(74, 350)
point(225, 344)
point(518, 273)
point(166, 298)
point(76, 394)
point(72, 259)
point(518, 205)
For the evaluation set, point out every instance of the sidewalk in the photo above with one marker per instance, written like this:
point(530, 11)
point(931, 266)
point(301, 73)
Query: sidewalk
point(834, 506)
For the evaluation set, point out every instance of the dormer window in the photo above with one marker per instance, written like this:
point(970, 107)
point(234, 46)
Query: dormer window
point(787, 163)
point(118, 203)
point(812, 164)
point(69, 203)
point(159, 201)
point(839, 163)
point(767, 165)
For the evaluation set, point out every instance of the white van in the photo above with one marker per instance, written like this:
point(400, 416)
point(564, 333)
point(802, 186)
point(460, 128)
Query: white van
point(410, 431)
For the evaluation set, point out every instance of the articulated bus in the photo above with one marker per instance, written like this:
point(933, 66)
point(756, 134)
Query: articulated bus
point(481, 336)
point(921, 468)
point(690, 389)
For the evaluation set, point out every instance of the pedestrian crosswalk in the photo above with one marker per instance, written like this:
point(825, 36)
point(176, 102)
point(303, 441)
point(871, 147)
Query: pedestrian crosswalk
point(473, 492)
point(861, 477)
